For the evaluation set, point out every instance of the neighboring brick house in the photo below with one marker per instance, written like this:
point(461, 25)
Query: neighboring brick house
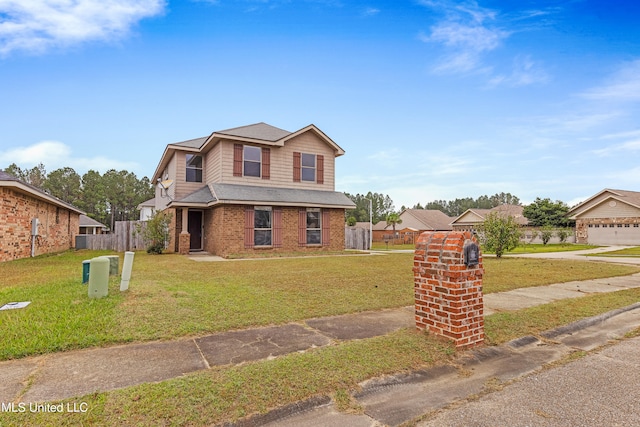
point(611, 217)
point(414, 222)
point(253, 188)
point(20, 205)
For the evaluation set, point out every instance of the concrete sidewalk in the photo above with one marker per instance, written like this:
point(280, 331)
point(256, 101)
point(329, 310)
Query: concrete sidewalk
point(76, 373)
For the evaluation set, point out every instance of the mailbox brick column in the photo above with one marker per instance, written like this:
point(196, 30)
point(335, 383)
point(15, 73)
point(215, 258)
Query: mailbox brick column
point(448, 294)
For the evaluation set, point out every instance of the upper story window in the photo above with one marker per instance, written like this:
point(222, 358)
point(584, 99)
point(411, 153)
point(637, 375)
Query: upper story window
point(308, 167)
point(194, 168)
point(252, 161)
point(308, 164)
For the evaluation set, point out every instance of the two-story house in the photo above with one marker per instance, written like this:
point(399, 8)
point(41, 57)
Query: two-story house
point(253, 188)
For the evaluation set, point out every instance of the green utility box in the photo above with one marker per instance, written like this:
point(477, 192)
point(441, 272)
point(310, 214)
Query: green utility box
point(114, 261)
point(99, 277)
point(85, 271)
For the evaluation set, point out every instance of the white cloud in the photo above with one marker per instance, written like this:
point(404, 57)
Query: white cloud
point(622, 86)
point(38, 25)
point(628, 146)
point(525, 72)
point(371, 11)
point(468, 32)
point(54, 155)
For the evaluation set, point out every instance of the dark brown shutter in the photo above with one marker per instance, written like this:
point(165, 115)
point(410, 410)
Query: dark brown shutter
point(302, 227)
point(249, 218)
point(237, 159)
point(326, 227)
point(266, 163)
point(320, 170)
point(277, 228)
point(297, 166)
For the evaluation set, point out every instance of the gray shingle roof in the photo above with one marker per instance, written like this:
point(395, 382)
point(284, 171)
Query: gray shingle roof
point(260, 131)
point(248, 194)
point(192, 143)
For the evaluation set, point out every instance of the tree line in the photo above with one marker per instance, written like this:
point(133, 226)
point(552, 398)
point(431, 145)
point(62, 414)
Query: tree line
point(543, 212)
point(109, 197)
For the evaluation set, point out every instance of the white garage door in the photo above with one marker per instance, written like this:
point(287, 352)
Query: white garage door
point(619, 234)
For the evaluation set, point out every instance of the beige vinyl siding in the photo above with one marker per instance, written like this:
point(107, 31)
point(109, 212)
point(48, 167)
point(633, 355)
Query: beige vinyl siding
point(213, 164)
point(282, 164)
point(605, 210)
point(162, 202)
point(182, 187)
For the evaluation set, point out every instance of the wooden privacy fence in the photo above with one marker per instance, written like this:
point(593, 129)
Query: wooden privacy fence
point(125, 237)
point(356, 238)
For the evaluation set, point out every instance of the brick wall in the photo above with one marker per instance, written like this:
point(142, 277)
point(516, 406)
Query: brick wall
point(448, 294)
point(57, 231)
point(224, 232)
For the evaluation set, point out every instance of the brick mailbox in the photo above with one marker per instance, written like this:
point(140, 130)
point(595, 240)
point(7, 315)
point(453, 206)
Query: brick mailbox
point(447, 271)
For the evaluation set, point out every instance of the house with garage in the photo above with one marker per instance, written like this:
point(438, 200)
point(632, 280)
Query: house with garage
point(255, 188)
point(33, 222)
point(610, 217)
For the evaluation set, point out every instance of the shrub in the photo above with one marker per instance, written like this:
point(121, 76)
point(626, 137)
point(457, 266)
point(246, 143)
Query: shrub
point(156, 232)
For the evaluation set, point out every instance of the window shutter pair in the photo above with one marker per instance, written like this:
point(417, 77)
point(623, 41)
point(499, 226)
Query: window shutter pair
point(238, 150)
point(302, 227)
point(297, 168)
point(249, 223)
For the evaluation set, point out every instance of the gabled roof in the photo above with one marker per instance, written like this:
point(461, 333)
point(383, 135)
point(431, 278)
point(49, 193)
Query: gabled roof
point(475, 215)
point(257, 133)
point(426, 219)
point(216, 194)
point(10, 181)
point(624, 196)
point(419, 219)
point(86, 221)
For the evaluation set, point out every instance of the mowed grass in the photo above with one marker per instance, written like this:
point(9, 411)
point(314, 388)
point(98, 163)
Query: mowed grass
point(172, 296)
point(230, 393)
point(162, 292)
point(627, 252)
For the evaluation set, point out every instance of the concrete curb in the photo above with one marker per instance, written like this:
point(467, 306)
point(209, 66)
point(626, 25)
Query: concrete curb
point(406, 397)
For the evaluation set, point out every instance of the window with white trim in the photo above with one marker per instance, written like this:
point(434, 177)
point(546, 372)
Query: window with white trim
point(314, 226)
point(308, 165)
point(262, 226)
point(252, 161)
point(194, 168)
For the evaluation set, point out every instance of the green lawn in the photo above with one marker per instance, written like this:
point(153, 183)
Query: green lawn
point(172, 296)
point(549, 247)
point(628, 252)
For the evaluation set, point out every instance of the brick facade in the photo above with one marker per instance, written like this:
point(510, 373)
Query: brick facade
point(57, 230)
point(224, 230)
point(448, 294)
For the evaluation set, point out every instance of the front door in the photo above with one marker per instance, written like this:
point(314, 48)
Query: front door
point(195, 230)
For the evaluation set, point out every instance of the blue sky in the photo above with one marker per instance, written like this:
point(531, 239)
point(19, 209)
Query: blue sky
point(430, 99)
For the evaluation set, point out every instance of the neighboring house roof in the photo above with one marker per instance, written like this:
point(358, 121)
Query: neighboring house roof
point(10, 181)
point(475, 216)
point(148, 203)
point(258, 133)
point(425, 219)
point(215, 194)
point(419, 219)
point(631, 198)
point(86, 221)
